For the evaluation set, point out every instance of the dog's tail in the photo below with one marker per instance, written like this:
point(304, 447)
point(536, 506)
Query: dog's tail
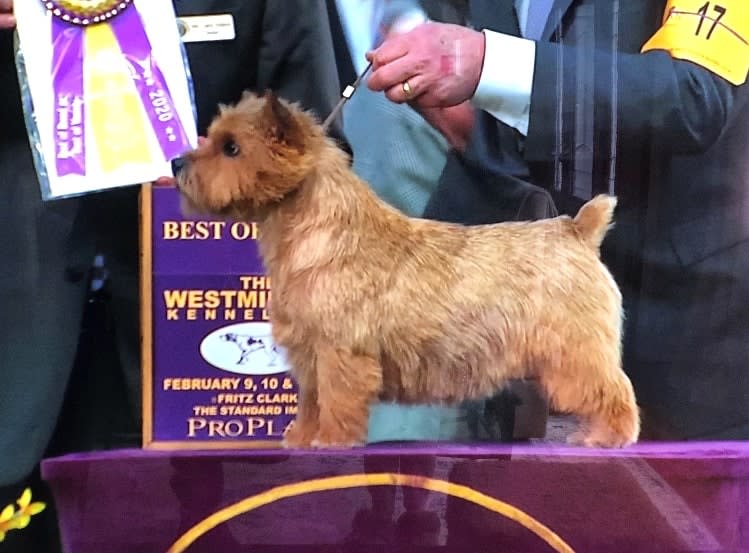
point(594, 220)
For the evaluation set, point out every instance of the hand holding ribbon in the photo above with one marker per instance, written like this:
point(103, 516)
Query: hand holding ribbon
point(7, 20)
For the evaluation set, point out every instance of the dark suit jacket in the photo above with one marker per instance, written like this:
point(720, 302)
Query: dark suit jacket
point(47, 247)
point(669, 138)
point(490, 181)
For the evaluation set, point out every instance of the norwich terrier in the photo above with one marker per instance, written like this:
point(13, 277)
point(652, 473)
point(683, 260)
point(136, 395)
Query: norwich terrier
point(372, 305)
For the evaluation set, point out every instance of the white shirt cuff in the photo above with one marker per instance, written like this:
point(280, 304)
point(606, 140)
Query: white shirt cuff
point(506, 81)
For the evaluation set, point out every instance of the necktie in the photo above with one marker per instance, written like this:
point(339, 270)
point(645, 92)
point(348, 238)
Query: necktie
point(538, 15)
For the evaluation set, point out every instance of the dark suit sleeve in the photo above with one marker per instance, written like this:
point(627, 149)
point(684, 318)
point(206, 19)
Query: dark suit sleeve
point(678, 105)
point(296, 58)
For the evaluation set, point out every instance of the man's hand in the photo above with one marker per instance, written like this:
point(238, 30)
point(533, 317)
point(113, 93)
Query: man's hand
point(441, 64)
point(7, 21)
point(454, 122)
point(165, 181)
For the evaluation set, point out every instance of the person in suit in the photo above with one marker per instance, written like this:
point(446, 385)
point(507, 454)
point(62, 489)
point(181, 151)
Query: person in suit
point(47, 247)
point(629, 98)
point(404, 164)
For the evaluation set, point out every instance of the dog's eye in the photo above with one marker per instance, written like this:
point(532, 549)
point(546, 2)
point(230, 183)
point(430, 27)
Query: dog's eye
point(231, 149)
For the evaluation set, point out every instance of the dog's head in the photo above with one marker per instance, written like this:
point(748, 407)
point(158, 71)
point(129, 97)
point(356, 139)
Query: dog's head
point(257, 153)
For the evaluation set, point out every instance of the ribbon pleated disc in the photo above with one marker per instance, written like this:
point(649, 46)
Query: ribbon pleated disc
point(85, 12)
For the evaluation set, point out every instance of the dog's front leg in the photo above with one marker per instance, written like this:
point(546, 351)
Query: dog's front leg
point(346, 386)
point(306, 424)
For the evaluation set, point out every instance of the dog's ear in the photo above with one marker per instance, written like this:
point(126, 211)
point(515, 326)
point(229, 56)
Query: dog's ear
point(279, 123)
point(248, 95)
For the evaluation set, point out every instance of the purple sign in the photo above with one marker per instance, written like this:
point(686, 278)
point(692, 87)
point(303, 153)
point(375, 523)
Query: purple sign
point(212, 373)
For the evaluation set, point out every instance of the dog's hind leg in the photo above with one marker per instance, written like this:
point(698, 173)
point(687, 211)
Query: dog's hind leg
point(346, 385)
point(605, 403)
point(615, 420)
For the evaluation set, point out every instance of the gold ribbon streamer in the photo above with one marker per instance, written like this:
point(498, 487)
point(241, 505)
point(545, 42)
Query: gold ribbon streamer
point(361, 480)
point(115, 114)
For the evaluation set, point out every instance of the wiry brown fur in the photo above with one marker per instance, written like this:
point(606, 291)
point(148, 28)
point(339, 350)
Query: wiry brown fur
point(371, 304)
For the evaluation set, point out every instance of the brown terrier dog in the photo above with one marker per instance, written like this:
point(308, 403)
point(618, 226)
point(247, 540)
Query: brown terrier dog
point(373, 305)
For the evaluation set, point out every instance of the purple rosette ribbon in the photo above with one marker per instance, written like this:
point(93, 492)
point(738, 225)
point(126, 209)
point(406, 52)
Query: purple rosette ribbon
point(150, 83)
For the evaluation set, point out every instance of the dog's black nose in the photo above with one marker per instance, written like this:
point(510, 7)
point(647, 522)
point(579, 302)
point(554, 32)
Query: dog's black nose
point(177, 165)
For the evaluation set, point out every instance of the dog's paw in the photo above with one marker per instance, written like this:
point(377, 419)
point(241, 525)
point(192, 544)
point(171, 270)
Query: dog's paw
point(597, 439)
point(335, 442)
point(294, 444)
point(576, 438)
point(286, 443)
point(298, 437)
point(320, 444)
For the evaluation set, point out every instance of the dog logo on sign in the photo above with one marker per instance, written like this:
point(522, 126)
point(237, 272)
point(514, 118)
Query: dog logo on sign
point(244, 348)
point(248, 345)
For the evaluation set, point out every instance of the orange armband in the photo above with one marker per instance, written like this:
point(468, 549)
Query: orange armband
point(713, 35)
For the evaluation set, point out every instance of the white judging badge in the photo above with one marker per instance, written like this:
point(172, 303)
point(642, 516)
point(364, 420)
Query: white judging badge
point(206, 28)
